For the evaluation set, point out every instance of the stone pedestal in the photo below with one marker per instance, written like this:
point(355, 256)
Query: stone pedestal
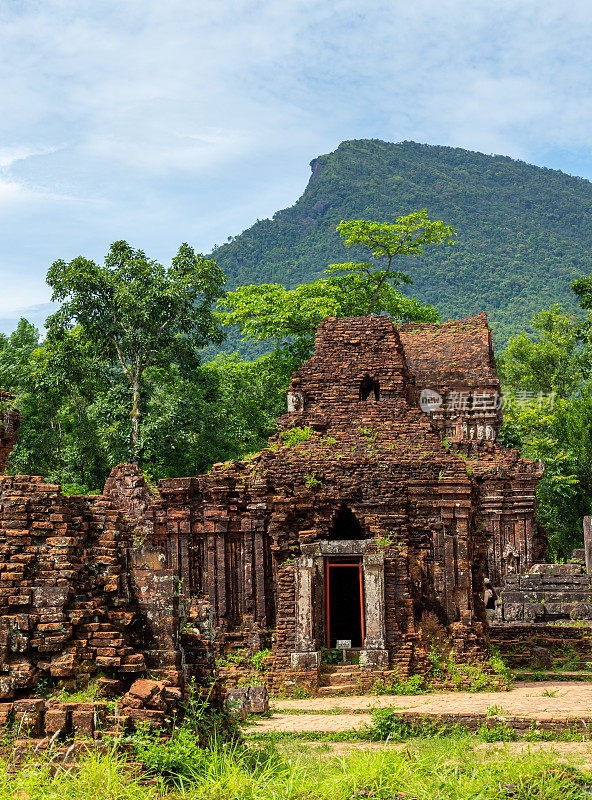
point(305, 573)
point(306, 661)
point(307, 657)
point(374, 602)
point(374, 658)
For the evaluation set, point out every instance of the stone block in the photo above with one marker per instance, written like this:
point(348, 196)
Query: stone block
point(236, 702)
point(56, 721)
point(108, 662)
point(305, 661)
point(5, 715)
point(50, 596)
point(374, 658)
point(534, 612)
point(513, 612)
point(156, 719)
point(63, 666)
point(83, 721)
point(541, 658)
point(28, 717)
point(257, 700)
point(109, 687)
point(581, 611)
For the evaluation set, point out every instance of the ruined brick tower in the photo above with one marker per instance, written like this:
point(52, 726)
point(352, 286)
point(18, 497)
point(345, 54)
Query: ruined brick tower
point(380, 503)
point(365, 513)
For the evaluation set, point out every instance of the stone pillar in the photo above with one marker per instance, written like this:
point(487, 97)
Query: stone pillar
point(306, 656)
point(588, 543)
point(375, 652)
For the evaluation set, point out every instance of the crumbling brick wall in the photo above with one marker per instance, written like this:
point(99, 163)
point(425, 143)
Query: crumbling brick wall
point(76, 594)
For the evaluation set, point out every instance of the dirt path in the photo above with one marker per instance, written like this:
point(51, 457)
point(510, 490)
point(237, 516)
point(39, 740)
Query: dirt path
point(537, 700)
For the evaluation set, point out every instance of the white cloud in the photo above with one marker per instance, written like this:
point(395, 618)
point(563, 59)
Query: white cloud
point(161, 122)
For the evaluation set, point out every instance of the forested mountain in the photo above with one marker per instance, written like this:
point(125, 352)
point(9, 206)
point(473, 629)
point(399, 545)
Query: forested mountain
point(524, 232)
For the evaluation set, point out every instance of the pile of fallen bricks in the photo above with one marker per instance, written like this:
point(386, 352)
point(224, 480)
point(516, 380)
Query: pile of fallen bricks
point(147, 701)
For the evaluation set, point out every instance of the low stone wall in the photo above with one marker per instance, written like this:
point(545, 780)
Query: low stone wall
point(546, 593)
point(565, 642)
point(37, 719)
point(522, 725)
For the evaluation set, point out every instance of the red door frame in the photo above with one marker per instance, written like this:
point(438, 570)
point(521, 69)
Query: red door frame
point(341, 562)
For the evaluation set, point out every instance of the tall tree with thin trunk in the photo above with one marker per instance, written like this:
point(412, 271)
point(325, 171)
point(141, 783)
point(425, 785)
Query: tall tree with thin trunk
point(138, 313)
point(353, 289)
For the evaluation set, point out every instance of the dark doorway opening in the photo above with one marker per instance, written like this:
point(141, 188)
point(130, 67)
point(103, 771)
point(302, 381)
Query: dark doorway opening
point(345, 601)
point(346, 525)
point(368, 386)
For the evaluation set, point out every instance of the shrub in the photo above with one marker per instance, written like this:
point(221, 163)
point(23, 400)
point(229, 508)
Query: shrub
point(204, 734)
point(332, 657)
point(312, 482)
point(258, 659)
point(388, 724)
point(414, 684)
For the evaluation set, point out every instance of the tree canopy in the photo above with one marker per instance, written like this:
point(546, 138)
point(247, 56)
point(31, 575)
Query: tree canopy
point(291, 316)
point(138, 313)
point(546, 380)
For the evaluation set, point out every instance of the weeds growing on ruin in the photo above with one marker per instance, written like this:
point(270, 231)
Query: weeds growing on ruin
point(312, 482)
point(258, 660)
point(294, 436)
point(203, 732)
point(414, 684)
point(447, 671)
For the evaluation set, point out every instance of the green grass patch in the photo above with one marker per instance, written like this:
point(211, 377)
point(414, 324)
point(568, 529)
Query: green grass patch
point(433, 768)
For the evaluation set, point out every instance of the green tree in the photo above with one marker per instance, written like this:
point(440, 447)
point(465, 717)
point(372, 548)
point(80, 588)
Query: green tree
point(555, 427)
point(56, 384)
point(15, 355)
point(548, 361)
point(291, 316)
point(138, 313)
point(407, 236)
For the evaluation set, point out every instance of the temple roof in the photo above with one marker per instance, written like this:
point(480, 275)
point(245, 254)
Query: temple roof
point(451, 353)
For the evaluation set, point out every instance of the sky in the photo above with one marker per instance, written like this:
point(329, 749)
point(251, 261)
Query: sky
point(161, 122)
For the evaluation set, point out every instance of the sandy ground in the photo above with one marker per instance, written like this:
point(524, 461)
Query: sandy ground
point(536, 700)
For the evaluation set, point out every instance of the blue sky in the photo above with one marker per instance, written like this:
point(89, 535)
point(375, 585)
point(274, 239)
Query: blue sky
point(163, 122)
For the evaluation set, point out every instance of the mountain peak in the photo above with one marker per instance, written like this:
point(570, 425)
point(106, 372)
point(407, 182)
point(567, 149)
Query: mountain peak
point(523, 232)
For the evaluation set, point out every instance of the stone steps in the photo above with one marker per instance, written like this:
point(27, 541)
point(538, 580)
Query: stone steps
point(339, 679)
point(340, 689)
point(335, 678)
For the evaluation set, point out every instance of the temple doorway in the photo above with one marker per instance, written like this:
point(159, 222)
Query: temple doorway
point(344, 597)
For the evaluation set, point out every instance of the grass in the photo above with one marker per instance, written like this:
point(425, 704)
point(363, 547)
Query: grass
point(390, 725)
point(448, 768)
point(206, 759)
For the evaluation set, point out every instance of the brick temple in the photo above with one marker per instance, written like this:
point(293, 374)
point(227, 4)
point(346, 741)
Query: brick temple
point(382, 501)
